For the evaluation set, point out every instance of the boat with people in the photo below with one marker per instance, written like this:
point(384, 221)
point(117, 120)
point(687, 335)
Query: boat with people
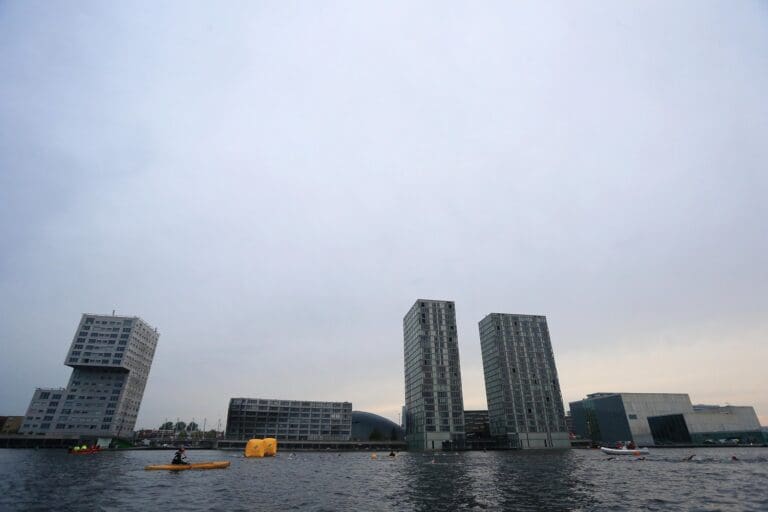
point(219, 464)
point(625, 448)
point(625, 451)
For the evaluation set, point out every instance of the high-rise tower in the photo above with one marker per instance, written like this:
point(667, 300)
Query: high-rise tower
point(110, 358)
point(525, 406)
point(433, 398)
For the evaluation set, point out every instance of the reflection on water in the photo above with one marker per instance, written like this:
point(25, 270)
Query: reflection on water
point(567, 480)
point(495, 480)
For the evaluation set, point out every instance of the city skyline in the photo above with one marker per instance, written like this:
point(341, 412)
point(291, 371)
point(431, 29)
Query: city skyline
point(280, 182)
point(212, 421)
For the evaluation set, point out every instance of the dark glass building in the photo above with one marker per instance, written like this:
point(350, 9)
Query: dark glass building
point(521, 384)
point(367, 426)
point(433, 397)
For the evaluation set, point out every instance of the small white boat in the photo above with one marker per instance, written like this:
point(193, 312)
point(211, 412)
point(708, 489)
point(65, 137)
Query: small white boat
point(625, 451)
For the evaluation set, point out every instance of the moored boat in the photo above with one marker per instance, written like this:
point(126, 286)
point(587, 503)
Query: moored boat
point(86, 451)
point(625, 451)
point(219, 464)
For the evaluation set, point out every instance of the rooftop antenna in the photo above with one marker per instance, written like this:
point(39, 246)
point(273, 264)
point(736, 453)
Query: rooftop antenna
point(113, 312)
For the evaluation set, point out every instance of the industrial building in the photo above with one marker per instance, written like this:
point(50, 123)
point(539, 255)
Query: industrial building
point(525, 405)
point(289, 420)
point(434, 404)
point(110, 358)
point(651, 419)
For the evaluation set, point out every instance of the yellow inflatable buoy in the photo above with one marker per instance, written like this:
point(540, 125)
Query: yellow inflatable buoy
point(374, 456)
point(270, 446)
point(254, 448)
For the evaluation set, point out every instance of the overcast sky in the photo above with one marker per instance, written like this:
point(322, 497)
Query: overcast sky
point(272, 185)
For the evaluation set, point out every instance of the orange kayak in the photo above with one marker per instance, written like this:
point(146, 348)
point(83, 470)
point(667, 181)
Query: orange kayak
point(219, 464)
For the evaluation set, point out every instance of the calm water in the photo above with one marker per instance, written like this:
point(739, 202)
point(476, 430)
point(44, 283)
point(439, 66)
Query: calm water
point(572, 480)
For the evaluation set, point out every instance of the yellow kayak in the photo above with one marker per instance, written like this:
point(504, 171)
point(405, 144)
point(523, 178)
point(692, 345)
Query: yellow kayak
point(219, 464)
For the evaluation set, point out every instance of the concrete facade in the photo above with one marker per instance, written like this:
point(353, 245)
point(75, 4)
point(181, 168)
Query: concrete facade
point(434, 403)
point(525, 405)
point(649, 419)
point(289, 420)
point(110, 358)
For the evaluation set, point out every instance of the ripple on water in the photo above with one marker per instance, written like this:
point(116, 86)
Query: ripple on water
point(571, 480)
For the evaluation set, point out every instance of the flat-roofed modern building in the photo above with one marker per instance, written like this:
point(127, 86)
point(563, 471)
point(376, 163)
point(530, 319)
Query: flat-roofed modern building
point(651, 419)
point(525, 406)
point(110, 358)
point(289, 420)
point(434, 404)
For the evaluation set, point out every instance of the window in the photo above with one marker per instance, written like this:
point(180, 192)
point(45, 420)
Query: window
point(44, 395)
point(633, 416)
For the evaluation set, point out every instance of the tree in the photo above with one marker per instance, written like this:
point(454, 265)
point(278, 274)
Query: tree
point(182, 435)
point(168, 425)
point(180, 426)
point(192, 427)
point(376, 435)
point(211, 434)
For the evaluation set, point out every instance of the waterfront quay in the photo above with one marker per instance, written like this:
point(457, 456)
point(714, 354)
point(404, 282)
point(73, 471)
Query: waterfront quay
point(339, 446)
point(23, 441)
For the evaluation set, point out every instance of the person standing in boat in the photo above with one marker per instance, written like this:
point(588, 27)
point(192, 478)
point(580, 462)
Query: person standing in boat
point(180, 457)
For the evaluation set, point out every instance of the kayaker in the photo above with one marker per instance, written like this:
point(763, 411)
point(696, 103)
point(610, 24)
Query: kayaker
point(179, 457)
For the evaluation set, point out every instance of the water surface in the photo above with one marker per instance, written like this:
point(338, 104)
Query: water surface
point(328, 481)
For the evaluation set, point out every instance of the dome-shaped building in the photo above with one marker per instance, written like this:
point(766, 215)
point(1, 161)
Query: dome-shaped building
point(367, 426)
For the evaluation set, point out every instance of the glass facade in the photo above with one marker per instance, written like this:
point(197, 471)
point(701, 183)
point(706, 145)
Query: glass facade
point(525, 405)
point(602, 419)
point(290, 420)
point(433, 396)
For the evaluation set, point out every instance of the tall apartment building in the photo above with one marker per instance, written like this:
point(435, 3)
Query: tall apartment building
point(525, 406)
point(289, 420)
point(110, 358)
point(434, 415)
